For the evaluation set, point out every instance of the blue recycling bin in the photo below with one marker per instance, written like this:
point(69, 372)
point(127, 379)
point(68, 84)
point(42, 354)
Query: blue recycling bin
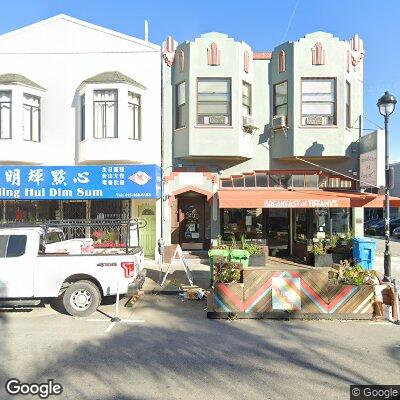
point(364, 251)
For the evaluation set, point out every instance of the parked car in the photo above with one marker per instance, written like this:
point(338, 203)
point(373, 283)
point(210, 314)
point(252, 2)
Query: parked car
point(371, 222)
point(29, 273)
point(396, 232)
point(378, 229)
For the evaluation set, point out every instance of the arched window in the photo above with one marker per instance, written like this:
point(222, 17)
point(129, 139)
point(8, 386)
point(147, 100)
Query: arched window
point(246, 61)
point(181, 60)
point(282, 61)
point(318, 54)
point(213, 55)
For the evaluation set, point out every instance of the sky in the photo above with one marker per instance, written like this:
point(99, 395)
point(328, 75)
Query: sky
point(262, 24)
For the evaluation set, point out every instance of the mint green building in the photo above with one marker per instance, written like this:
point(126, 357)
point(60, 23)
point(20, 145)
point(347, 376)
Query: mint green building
point(262, 144)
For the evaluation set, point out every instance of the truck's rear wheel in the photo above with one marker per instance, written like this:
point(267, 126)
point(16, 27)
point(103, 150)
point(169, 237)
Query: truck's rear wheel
point(81, 298)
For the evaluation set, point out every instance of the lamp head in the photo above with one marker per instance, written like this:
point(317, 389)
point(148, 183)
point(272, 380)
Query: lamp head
point(386, 104)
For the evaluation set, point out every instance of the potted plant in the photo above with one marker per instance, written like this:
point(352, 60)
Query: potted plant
point(228, 272)
point(322, 258)
point(257, 256)
point(341, 247)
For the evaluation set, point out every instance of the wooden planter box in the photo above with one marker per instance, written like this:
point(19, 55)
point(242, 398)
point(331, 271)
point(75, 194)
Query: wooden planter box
point(323, 260)
point(257, 260)
point(302, 294)
point(338, 257)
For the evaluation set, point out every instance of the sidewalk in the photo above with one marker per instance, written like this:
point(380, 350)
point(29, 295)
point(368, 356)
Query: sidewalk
point(176, 276)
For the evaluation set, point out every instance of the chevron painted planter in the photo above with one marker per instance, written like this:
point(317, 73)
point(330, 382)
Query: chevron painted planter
point(290, 294)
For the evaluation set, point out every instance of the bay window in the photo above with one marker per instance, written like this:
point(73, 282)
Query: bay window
point(5, 114)
point(318, 101)
point(246, 99)
point(31, 118)
point(280, 100)
point(134, 116)
point(180, 105)
point(105, 114)
point(213, 101)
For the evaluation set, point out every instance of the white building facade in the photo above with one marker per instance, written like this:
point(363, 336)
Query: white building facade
point(76, 94)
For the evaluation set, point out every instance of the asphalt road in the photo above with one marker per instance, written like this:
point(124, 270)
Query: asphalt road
point(176, 353)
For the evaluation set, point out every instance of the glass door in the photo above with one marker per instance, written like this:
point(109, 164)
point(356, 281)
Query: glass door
point(278, 231)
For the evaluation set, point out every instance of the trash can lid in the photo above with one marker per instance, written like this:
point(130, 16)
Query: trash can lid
point(364, 240)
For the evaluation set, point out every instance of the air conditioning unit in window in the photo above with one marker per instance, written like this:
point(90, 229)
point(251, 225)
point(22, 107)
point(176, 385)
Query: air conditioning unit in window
point(317, 120)
point(278, 122)
point(249, 122)
point(216, 120)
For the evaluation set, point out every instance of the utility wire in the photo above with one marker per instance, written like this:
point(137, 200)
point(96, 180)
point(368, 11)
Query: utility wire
point(78, 52)
point(290, 20)
point(336, 172)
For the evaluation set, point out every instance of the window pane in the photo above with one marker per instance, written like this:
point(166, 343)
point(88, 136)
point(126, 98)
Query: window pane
point(317, 86)
point(98, 120)
point(110, 120)
point(280, 94)
point(83, 112)
point(213, 108)
point(300, 225)
point(317, 109)
point(213, 97)
point(317, 97)
point(281, 110)
point(5, 96)
point(321, 223)
point(5, 120)
point(16, 245)
point(340, 221)
point(27, 122)
point(180, 95)
point(31, 100)
point(35, 124)
point(298, 180)
point(311, 180)
point(213, 86)
point(105, 95)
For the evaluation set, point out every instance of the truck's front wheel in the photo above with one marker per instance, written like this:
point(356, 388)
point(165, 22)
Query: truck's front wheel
point(81, 298)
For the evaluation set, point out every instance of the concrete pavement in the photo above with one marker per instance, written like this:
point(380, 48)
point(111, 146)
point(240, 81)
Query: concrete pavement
point(177, 353)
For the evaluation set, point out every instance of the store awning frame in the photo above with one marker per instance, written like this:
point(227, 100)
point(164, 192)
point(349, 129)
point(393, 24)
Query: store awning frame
point(292, 198)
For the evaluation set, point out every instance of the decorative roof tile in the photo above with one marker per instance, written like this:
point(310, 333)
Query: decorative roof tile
point(113, 77)
point(12, 79)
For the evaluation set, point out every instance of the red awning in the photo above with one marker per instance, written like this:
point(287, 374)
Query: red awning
point(269, 198)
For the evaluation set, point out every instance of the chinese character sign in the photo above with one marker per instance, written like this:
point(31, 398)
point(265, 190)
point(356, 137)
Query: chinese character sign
point(80, 182)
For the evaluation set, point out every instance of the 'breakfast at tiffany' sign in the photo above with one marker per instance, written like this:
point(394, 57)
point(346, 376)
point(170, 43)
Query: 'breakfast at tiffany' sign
point(80, 182)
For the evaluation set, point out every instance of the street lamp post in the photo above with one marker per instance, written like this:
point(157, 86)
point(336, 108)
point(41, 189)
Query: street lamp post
point(386, 105)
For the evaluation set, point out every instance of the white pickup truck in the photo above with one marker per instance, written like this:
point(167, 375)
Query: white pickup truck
point(28, 272)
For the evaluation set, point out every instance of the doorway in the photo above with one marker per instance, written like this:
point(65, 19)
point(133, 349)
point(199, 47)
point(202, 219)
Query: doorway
point(191, 213)
point(148, 232)
point(278, 231)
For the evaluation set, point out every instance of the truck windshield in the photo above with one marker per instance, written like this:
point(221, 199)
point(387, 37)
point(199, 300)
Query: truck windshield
point(12, 245)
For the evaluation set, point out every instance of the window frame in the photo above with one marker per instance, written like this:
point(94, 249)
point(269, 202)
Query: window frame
point(348, 104)
point(39, 108)
point(104, 118)
point(6, 102)
point(198, 80)
point(274, 105)
point(250, 91)
point(83, 119)
point(182, 106)
point(137, 107)
point(319, 78)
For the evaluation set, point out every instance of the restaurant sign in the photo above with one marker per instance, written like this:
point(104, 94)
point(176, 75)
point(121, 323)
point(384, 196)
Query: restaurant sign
point(308, 203)
point(80, 182)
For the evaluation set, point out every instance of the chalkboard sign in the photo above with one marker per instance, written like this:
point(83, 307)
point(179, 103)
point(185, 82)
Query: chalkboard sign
point(178, 251)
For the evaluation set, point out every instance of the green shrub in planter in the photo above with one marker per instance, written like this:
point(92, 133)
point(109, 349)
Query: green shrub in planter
point(228, 272)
